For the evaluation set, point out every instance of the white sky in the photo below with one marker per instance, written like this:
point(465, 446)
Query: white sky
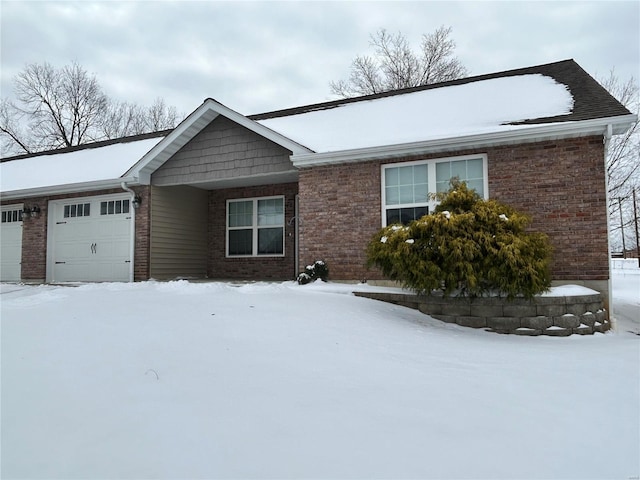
point(260, 56)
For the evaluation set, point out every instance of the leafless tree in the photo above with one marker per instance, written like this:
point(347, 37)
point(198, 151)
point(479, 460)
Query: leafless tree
point(63, 107)
point(395, 65)
point(623, 163)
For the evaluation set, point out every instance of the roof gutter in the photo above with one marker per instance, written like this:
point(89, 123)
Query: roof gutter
point(515, 134)
point(67, 188)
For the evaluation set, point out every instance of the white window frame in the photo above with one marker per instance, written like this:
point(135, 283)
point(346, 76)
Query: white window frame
point(254, 227)
point(431, 181)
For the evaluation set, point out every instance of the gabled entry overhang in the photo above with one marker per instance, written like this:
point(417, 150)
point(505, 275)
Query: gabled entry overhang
point(515, 135)
point(194, 124)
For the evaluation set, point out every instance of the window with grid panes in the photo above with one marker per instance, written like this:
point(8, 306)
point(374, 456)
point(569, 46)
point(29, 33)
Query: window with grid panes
point(255, 227)
point(406, 186)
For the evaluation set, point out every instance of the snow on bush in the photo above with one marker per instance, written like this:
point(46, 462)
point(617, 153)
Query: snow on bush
point(319, 270)
point(468, 246)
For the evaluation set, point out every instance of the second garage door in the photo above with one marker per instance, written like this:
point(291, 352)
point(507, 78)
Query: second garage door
point(11, 243)
point(91, 240)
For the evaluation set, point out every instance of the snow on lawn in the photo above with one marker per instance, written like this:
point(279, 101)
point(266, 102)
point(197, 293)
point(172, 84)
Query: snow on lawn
point(212, 380)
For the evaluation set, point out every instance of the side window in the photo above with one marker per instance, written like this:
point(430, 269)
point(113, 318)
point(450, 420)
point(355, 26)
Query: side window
point(406, 186)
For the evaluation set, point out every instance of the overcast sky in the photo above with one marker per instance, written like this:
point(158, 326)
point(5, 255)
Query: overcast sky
point(261, 56)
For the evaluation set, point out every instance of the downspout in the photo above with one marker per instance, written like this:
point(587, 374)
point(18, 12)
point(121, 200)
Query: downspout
point(133, 230)
point(607, 139)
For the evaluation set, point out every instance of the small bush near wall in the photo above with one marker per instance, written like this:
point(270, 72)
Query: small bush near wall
point(319, 270)
point(469, 246)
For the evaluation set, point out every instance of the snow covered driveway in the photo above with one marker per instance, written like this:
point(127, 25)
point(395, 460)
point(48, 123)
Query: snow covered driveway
point(210, 380)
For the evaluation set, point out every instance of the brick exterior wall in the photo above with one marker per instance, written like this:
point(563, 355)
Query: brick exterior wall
point(561, 184)
point(34, 242)
point(34, 234)
point(141, 253)
point(265, 268)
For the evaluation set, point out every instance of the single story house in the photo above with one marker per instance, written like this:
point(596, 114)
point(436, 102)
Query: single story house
point(229, 196)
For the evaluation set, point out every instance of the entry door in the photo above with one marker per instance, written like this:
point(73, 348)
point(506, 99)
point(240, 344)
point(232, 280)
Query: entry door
point(92, 239)
point(11, 243)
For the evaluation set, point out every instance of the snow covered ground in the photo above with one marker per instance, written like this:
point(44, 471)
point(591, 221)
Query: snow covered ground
point(210, 380)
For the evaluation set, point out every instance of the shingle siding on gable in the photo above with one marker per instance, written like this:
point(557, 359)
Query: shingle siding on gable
point(223, 150)
point(560, 184)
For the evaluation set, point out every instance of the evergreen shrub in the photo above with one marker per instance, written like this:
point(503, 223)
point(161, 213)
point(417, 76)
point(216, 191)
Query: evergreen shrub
point(468, 246)
point(319, 270)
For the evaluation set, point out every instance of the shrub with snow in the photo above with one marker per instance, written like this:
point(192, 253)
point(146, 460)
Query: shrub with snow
point(319, 270)
point(469, 246)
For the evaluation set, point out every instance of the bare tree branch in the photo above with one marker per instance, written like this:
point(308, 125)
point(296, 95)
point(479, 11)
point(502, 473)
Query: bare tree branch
point(66, 107)
point(623, 163)
point(395, 65)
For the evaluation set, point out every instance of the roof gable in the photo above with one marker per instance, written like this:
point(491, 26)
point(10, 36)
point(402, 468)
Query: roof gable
point(194, 124)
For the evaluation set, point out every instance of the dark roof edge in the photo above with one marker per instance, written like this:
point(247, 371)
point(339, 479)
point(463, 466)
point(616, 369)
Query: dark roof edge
point(461, 81)
point(86, 146)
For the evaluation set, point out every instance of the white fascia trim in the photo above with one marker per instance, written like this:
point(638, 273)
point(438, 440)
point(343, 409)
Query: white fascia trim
point(524, 134)
point(68, 188)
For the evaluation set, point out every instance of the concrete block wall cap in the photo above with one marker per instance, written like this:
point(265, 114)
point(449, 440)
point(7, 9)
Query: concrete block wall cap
point(549, 300)
point(584, 298)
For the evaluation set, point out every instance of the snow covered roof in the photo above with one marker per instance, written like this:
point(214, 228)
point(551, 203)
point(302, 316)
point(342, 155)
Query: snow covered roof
point(556, 100)
point(97, 165)
point(540, 101)
point(474, 108)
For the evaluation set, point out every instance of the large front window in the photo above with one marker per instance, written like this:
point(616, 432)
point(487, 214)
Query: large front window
point(255, 227)
point(406, 186)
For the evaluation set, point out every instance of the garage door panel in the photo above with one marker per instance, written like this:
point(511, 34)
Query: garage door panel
point(72, 251)
point(96, 246)
point(11, 243)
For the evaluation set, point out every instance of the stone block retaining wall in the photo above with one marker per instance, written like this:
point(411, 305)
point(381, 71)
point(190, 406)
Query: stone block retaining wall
point(554, 316)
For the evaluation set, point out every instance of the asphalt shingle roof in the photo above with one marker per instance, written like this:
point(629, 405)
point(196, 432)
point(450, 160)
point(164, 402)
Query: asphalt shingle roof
point(591, 100)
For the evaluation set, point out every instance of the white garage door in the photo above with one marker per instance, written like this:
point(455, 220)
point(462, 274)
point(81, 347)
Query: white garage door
point(11, 243)
point(91, 239)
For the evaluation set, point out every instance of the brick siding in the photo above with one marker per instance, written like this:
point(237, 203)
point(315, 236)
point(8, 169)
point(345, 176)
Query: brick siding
point(265, 268)
point(561, 184)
